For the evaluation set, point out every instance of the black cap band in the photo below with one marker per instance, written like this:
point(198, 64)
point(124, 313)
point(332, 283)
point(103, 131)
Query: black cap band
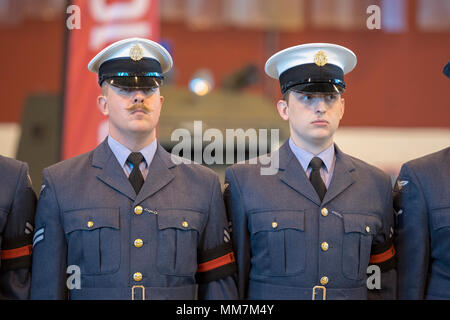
point(126, 67)
point(301, 77)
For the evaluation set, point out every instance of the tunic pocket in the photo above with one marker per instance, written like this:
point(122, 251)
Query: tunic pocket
point(357, 243)
point(178, 234)
point(278, 242)
point(440, 218)
point(93, 239)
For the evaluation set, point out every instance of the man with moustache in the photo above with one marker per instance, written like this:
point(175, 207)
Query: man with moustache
point(422, 204)
point(124, 218)
point(310, 230)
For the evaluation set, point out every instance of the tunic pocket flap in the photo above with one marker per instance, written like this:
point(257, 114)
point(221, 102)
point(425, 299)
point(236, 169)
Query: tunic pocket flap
point(440, 217)
point(277, 220)
point(91, 219)
point(361, 223)
point(179, 219)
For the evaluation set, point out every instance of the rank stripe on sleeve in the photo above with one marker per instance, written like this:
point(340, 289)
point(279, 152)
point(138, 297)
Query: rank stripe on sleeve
point(38, 236)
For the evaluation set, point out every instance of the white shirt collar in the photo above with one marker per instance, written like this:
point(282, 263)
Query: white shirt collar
point(121, 152)
point(305, 157)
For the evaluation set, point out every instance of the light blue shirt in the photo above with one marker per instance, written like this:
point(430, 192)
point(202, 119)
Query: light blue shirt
point(304, 157)
point(121, 152)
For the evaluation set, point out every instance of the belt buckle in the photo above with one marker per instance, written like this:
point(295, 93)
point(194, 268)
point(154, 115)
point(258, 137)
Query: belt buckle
point(132, 292)
point(324, 294)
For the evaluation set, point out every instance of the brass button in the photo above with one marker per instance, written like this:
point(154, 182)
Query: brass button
point(138, 210)
point(324, 212)
point(90, 224)
point(185, 224)
point(138, 243)
point(324, 281)
point(137, 276)
point(274, 224)
point(367, 228)
point(324, 246)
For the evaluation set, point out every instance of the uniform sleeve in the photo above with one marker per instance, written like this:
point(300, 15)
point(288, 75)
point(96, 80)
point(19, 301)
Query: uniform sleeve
point(216, 263)
point(49, 247)
point(412, 239)
point(15, 277)
point(240, 234)
point(383, 252)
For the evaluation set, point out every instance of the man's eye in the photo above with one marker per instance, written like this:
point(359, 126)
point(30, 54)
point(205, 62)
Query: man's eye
point(149, 91)
point(124, 90)
point(306, 98)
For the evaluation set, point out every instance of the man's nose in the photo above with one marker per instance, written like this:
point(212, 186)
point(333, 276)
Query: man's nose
point(139, 97)
point(321, 106)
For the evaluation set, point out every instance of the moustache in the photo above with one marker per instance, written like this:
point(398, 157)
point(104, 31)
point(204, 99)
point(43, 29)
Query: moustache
point(138, 106)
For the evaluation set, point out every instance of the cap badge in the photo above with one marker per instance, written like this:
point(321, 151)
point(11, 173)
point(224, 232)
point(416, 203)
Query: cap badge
point(320, 58)
point(136, 53)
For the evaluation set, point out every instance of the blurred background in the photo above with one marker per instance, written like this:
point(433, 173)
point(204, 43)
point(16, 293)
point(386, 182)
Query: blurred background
point(397, 98)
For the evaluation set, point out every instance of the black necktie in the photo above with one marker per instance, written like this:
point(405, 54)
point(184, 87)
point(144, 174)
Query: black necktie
point(136, 178)
point(315, 178)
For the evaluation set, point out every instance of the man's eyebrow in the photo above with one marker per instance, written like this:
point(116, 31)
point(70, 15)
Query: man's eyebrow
point(323, 94)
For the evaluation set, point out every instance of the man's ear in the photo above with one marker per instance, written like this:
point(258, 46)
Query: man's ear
point(283, 109)
point(342, 108)
point(102, 105)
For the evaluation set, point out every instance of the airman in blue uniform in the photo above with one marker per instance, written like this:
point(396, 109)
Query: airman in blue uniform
point(17, 209)
point(422, 204)
point(129, 219)
point(310, 229)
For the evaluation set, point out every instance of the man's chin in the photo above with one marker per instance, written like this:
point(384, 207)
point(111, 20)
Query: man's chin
point(321, 134)
point(140, 125)
point(141, 130)
point(321, 138)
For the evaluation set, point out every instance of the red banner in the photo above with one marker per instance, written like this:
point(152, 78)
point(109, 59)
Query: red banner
point(102, 22)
